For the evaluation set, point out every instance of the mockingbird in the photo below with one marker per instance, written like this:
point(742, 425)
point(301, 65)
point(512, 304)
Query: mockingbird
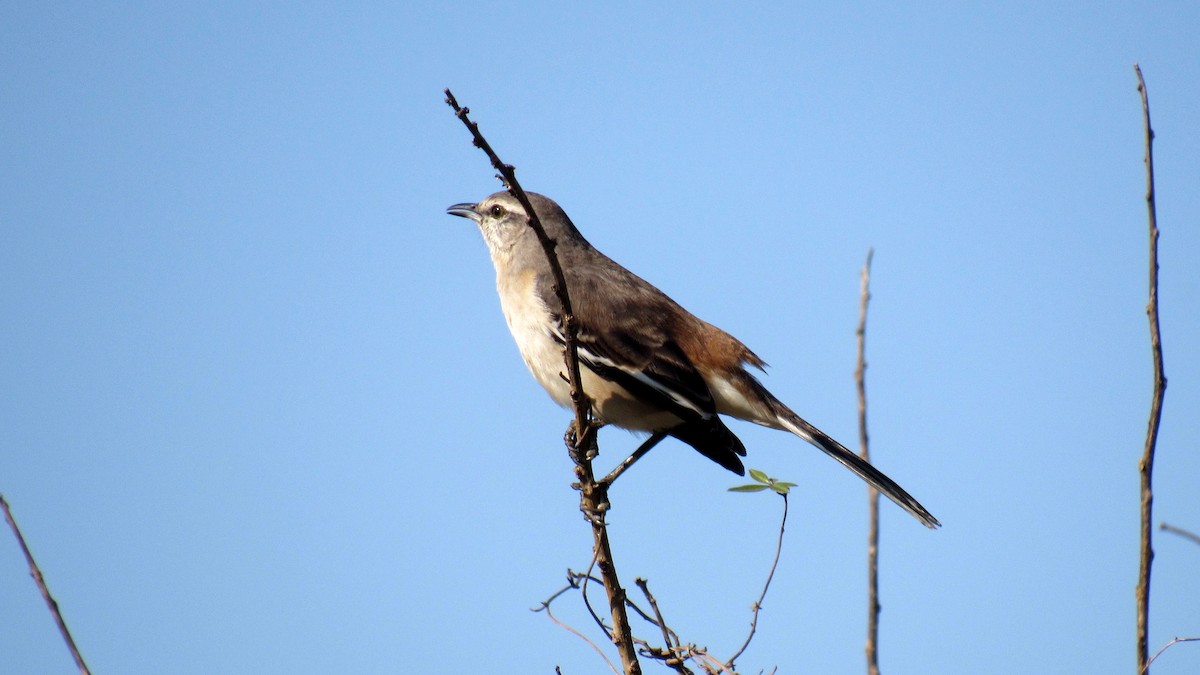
point(647, 364)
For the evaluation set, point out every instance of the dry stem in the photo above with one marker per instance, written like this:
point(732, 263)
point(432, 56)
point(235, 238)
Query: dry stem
point(581, 434)
point(36, 573)
point(860, 380)
point(1146, 465)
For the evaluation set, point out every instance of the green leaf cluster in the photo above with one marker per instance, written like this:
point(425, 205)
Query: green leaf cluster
point(764, 482)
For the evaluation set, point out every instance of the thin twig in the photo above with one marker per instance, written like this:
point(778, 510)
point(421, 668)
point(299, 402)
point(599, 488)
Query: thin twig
point(593, 496)
point(587, 602)
point(860, 380)
point(594, 503)
point(710, 663)
point(569, 327)
point(1146, 465)
point(1186, 534)
point(658, 617)
point(649, 619)
point(581, 636)
point(36, 573)
point(645, 447)
point(672, 654)
point(762, 596)
point(576, 581)
point(573, 581)
point(1172, 643)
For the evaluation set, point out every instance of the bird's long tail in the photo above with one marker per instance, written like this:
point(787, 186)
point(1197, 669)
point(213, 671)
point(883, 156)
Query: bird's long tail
point(876, 478)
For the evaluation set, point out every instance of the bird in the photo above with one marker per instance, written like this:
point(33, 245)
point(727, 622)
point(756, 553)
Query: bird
point(647, 364)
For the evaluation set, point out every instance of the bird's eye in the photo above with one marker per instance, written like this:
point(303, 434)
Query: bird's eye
point(496, 211)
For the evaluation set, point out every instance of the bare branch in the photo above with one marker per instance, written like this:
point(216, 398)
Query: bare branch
point(1172, 643)
point(1146, 465)
point(587, 602)
point(579, 635)
point(570, 330)
point(645, 447)
point(672, 655)
point(860, 379)
point(1186, 534)
point(36, 573)
point(593, 496)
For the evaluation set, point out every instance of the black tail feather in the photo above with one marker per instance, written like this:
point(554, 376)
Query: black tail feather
point(876, 478)
point(711, 438)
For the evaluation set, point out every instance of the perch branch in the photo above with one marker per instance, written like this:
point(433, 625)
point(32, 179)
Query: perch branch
point(645, 447)
point(581, 434)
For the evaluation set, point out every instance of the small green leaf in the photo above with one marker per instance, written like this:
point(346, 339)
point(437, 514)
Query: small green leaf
point(765, 482)
point(748, 488)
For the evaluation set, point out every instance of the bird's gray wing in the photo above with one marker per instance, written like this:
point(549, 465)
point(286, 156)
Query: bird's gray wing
point(624, 338)
point(628, 341)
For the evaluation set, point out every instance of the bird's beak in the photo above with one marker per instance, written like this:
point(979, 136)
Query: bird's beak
point(465, 210)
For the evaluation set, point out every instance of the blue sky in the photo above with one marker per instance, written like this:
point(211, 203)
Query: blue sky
point(261, 413)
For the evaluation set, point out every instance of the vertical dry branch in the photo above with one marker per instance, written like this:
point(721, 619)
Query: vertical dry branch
point(581, 437)
point(1146, 465)
point(872, 647)
point(36, 573)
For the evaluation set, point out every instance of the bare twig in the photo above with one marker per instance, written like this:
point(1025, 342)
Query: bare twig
point(570, 329)
point(1172, 643)
point(1146, 465)
point(762, 596)
point(645, 447)
point(672, 655)
point(860, 380)
point(709, 663)
point(577, 581)
point(579, 635)
point(594, 503)
point(593, 495)
point(36, 573)
point(587, 602)
point(658, 617)
point(1186, 534)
